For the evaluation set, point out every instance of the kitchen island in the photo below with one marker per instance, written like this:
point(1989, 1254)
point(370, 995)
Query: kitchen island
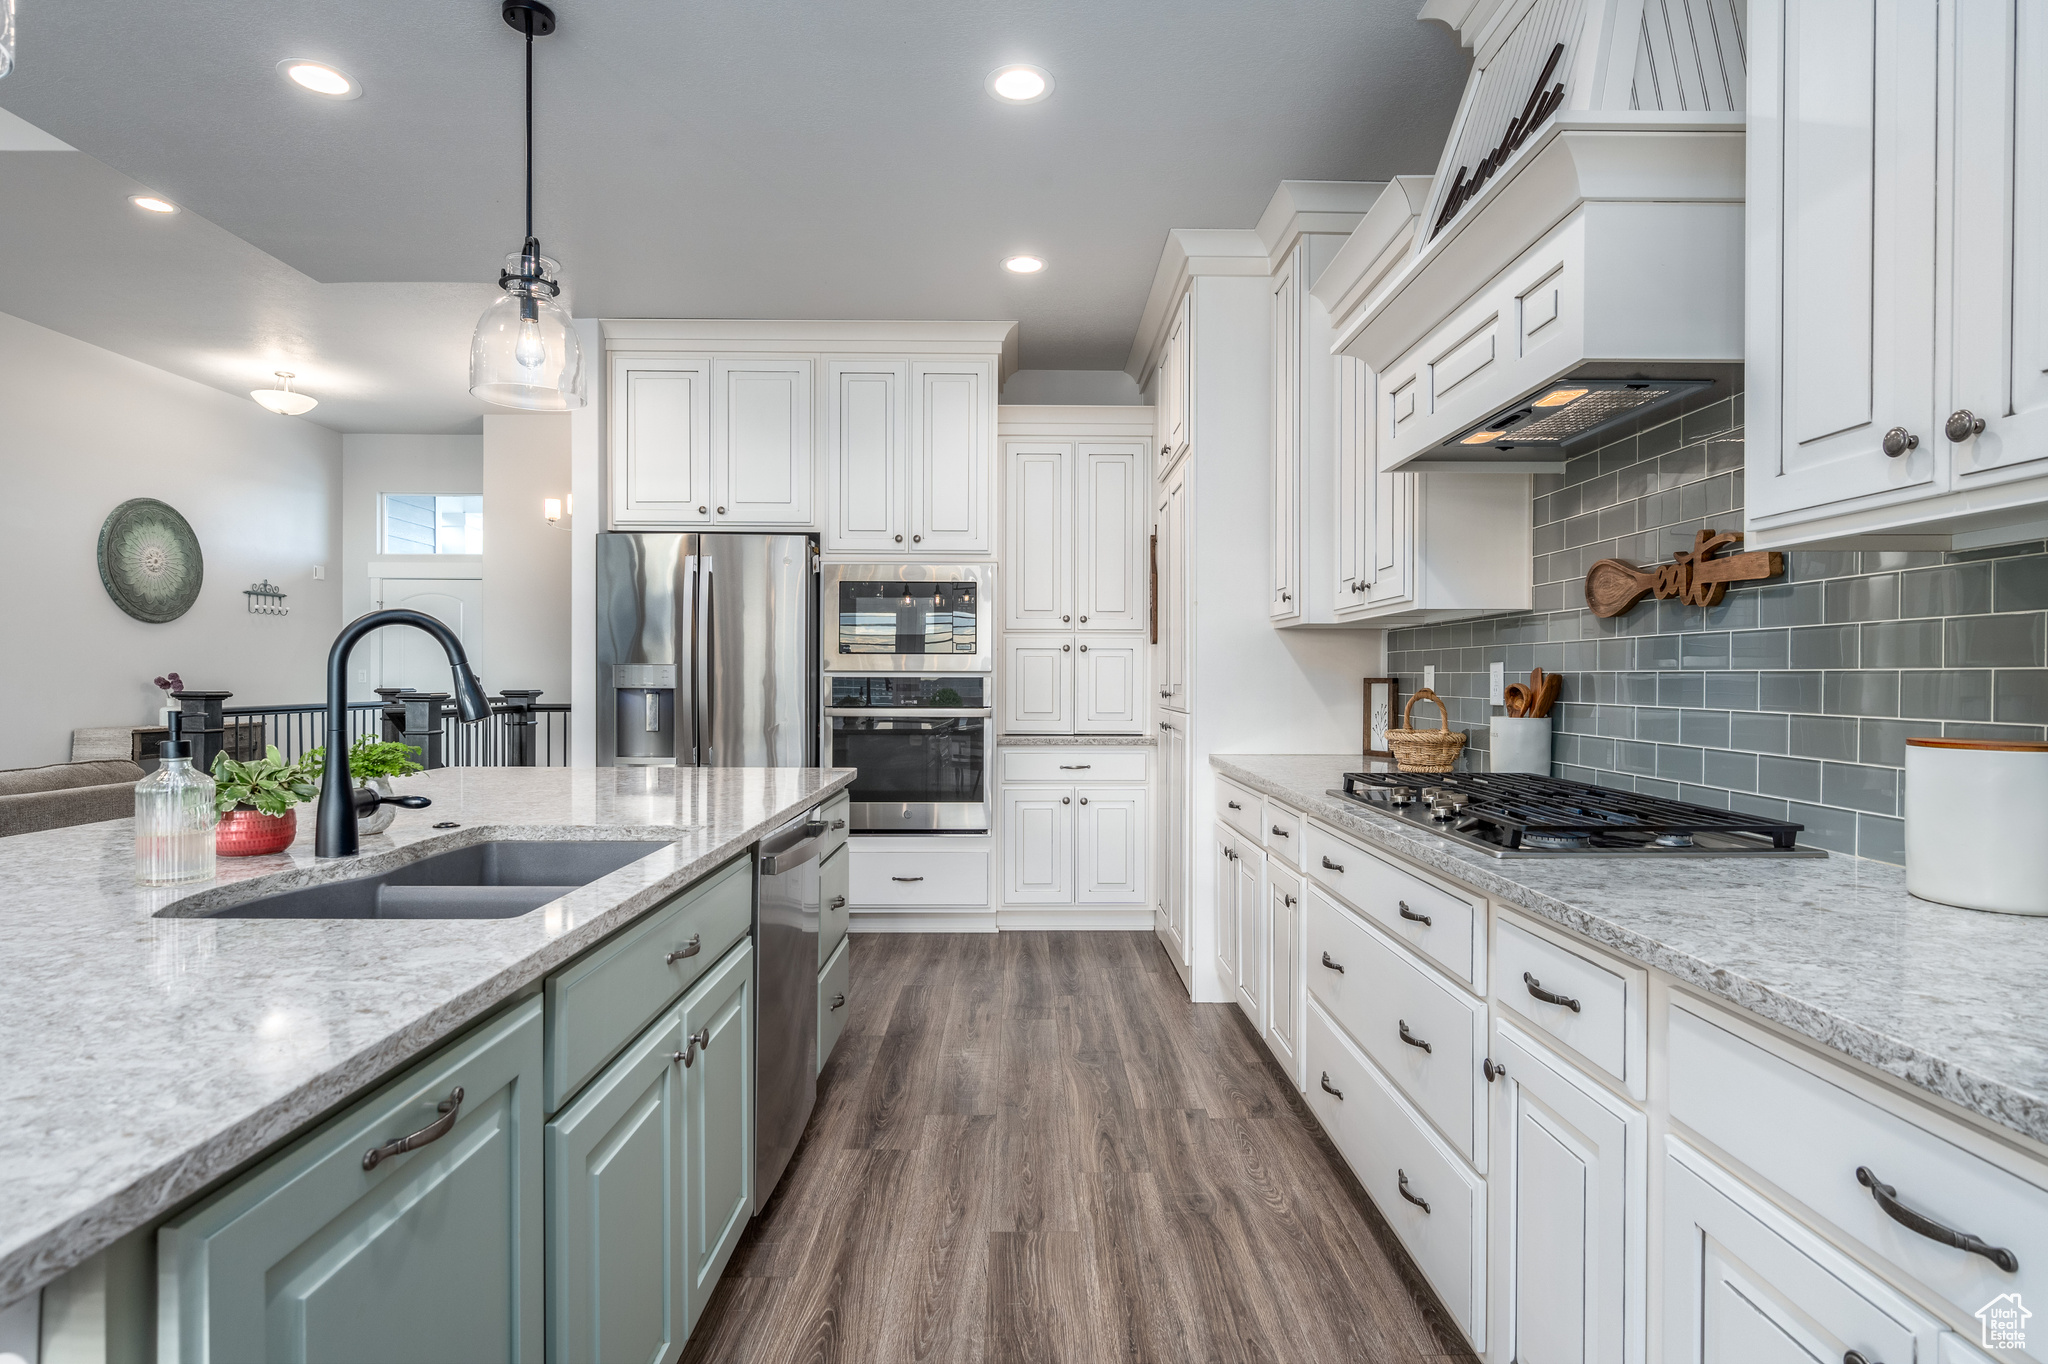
point(152, 1049)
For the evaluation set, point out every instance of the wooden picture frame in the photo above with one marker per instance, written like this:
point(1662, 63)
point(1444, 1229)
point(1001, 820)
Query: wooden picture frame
point(1382, 705)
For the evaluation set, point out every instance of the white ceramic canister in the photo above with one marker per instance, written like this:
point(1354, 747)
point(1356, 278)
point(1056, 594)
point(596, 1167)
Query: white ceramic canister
point(1977, 823)
point(1519, 744)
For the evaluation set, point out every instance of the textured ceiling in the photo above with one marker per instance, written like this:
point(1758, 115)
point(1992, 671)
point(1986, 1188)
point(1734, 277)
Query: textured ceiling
point(779, 158)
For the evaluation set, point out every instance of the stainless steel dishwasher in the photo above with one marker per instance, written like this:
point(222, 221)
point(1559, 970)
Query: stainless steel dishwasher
point(786, 1033)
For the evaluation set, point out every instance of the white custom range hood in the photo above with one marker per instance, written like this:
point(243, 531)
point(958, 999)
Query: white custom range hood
point(1575, 269)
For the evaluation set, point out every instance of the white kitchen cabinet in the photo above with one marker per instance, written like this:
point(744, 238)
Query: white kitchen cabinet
point(1284, 529)
point(1109, 684)
point(1038, 845)
point(1247, 917)
point(761, 438)
point(1173, 388)
point(661, 440)
point(1223, 883)
point(1569, 1210)
point(1172, 671)
point(1038, 563)
point(1083, 844)
point(1745, 1284)
point(1038, 684)
point(867, 455)
point(1111, 497)
point(1286, 962)
point(951, 445)
point(1897, 277)
point(1175, 842)
point(1111, 847)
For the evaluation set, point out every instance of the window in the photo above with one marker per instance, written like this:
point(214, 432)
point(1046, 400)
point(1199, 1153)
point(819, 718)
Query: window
point(433, 523)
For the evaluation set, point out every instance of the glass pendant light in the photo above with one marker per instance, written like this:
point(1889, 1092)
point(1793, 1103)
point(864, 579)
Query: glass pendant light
point(525, 353)
point(6, 36)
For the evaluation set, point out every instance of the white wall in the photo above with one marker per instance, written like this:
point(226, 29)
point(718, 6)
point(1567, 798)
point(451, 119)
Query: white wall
point(1072, 387)
point(526, 560)
point(83, 430)
point(372, 465)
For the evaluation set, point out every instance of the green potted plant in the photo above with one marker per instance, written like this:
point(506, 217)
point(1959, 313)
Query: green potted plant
point(371, 763)
point(255, 801)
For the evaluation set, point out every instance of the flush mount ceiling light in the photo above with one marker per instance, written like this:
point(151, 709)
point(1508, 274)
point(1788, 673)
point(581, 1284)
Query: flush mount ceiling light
point(1576, 409)
point(1020, 84)
point(1024, 265)
point(323, 80)
point(149, 203)
point(282, 400)
point(525, 353)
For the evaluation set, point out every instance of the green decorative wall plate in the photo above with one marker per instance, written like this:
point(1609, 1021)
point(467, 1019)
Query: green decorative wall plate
point(149, 560)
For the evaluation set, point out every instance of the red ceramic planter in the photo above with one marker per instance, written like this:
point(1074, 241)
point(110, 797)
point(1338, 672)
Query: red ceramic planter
point(248, 833)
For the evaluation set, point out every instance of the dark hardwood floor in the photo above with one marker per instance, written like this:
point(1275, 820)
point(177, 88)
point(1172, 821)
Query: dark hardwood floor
point(1031, 1146)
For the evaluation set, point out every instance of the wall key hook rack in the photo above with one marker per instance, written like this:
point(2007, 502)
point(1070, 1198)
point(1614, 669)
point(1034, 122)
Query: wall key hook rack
point(266, 599)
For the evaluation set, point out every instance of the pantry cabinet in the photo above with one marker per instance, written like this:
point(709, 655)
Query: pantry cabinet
point(1897, 278)
point(1174, 500)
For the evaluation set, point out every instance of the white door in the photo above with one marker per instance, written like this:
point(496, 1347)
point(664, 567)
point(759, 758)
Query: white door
point(404, 657)
point(1110, 825)
point(660, 440)
point(1250, 869)
point(1287, 997)
point(1569, 1209)
point(1225, 907)
point(1175, 385)
point(1109, 684)
point(1109, 534)
point(1999, 214)
point(1355, 480)
point(1038, 684)
point(1038, 845)
point(951, 446)
point(868, 456)
point(1175, 837)
point(1746, 1284)
point(1038, 556)
point(1283, 536)
point(1174, 592)
point(761, 431)
point(1841, 231)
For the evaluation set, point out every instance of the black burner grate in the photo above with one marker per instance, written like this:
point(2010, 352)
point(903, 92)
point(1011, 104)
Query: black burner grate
point(1553, 808)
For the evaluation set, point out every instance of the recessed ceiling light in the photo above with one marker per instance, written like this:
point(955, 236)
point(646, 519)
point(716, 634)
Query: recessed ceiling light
point(1023, 265)
point(320, 78)
point(1020, 84)
point(150, 203)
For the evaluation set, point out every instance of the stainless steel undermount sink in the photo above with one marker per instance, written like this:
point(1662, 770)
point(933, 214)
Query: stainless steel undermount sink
point(498, 880)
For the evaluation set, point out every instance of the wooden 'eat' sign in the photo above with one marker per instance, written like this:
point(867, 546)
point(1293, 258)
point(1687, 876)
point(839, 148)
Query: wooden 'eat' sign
point(1697, 577)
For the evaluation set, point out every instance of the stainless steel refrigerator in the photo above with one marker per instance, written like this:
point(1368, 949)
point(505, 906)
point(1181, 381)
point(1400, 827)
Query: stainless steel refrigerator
point(707, 650)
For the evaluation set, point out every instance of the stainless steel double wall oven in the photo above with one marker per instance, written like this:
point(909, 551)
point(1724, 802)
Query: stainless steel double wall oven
point(908, 656)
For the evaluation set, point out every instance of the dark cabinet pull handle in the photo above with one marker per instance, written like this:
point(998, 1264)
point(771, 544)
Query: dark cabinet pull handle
point(1421, 1203)
point(838, 902)
point(1412, 917)
point(449, 1108)
point(1075, 767)
point(688, 949)
point(695, 1042)
point(1547, 996)
point(1289, 901)
point(839, 824)
point(1411, 1039)
point(1233, 805)
point(1493, 1070)
point(1888, 1199)
point(1329, 1088)
point(906, 878)
point(1328, 865)
point(1279, 832)
point(1338, 967)
point(838, 1002)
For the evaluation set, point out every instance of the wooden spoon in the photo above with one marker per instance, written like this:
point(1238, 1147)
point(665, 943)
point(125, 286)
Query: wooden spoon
point(1517, 698)
point(1547, 697)
point(1612, 587)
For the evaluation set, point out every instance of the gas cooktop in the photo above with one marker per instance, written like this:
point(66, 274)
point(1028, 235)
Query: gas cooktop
point(1506, 814)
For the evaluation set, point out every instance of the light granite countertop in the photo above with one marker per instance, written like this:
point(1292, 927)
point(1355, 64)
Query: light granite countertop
point(1949, 1000)
point(1075, 741)
point(146, 1055)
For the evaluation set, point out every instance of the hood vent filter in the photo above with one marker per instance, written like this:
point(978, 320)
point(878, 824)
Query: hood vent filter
point(1571, 411)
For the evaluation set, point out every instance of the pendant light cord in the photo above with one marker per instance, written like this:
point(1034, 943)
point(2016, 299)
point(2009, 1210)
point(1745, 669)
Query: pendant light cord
point(530, 244)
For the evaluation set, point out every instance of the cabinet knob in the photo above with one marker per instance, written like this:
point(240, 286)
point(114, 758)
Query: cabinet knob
point(1164, 448)
point(1493, 1069)
point(721, 511)
point(1065, 619)
point(1963, 424)
point(1084, 620)
point(899, 539)
point(917, 539)
point(1084, 648)
point(1084, 800)
point(703, 511)
point(1286, 596)
point(1066, 648)
point(1899, 440)
point(1066, 800)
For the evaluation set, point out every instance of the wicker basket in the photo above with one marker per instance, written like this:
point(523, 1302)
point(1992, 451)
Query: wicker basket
point(1425, 750)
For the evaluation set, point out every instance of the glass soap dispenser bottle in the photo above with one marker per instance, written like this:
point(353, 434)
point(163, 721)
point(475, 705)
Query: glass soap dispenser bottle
point(174, 819)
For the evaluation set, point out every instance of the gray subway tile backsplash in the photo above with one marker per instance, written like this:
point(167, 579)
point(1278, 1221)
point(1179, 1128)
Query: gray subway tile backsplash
point(1792, 698)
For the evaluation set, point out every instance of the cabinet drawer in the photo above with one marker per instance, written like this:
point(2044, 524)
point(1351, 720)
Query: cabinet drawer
point(1280, 831)
point(1808, 1136)
point(1380, 995)
point(598, 1003)
point(1443, 926)
point(1598, 1021)
point(1241, 810)
point(1384, 1140)
point(433, 1253)
point(1071, 765)
point(834, 990)
point(835, 894)
point(882, 878)
point(836, 814)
